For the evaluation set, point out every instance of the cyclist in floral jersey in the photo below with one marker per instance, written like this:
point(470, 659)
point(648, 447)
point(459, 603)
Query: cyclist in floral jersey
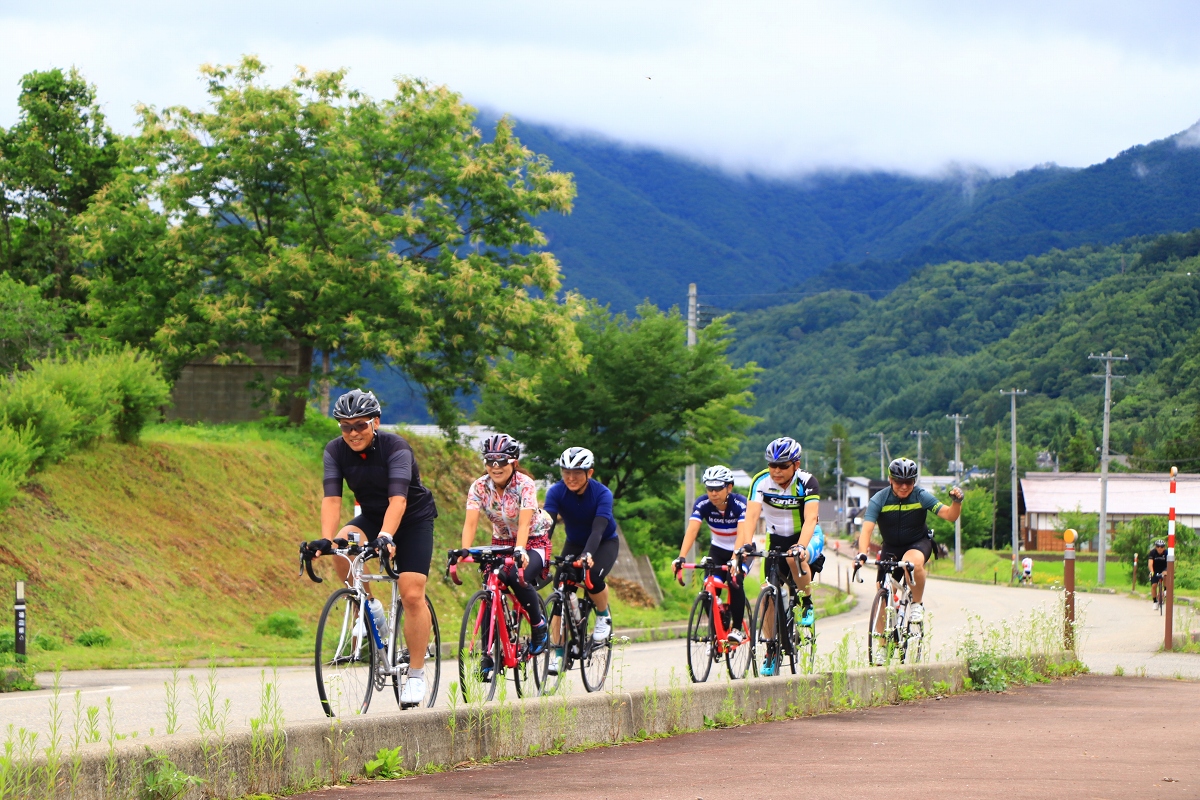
point(508, 498)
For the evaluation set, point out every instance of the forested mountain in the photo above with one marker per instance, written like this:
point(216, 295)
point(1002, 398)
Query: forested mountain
point(954, 334)
point(646, 223)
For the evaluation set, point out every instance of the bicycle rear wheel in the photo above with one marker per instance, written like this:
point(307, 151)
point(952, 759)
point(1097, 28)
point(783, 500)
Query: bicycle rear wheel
point(478, 663)
point(345, 656)
point(433, 655)
point(560, 631)
point(878, 635)
point(597, 656)
point(740, 659)
point(766, 648)
point(525, 672)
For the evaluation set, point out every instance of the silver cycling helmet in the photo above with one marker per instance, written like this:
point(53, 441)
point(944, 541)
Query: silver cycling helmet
point(576, 458)
point(356, 403)
point(903, 469)
point(717, 477)
point(785, 448)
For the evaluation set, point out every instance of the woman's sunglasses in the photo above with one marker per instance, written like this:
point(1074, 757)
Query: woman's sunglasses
point(357, 427)
point(496, 460)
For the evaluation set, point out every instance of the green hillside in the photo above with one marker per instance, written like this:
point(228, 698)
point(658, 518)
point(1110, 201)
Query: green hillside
point(947, 340)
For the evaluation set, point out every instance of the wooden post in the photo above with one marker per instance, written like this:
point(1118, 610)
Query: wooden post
point(1133, 588)
point(1069, 589)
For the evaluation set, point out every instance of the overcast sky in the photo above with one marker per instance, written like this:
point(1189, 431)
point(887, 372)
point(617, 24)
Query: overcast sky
point(776, 88)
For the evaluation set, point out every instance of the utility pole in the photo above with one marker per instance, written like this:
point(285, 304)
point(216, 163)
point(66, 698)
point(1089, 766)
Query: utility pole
point(837, 473)
point(689, 472)
point(882, 468)
point(958, 418)
point(1107, 358)
point(1016, 543)
point(920, 438)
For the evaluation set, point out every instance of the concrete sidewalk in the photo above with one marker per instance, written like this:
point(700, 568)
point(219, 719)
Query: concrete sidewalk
point(1089, 737)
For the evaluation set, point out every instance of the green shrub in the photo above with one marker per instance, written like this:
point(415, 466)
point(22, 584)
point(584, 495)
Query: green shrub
point(138, 388)
point(18, 453)
point(84, 387)
point(31, 326)
point(44, 641)
point(93, 637)
point(28, 403)
point(8, 641)
point(162, 780)
point(284, 624)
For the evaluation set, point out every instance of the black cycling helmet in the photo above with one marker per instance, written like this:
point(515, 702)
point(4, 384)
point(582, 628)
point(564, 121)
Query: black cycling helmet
point(500, 445)
point(356, 403)
point(1159, 543)
point(903, 469)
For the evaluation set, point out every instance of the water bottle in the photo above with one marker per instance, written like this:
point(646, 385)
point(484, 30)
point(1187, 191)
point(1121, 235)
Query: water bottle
point(380, 618)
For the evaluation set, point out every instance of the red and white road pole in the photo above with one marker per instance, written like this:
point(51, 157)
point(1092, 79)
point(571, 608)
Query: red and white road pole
point(1069, 589)
point(1169, 636)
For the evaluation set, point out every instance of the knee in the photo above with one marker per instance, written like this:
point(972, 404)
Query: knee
point(412, 596)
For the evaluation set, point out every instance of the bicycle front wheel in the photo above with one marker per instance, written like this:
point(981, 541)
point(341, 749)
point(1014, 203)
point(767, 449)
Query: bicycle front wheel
point(806, 647)
point(559, 632)
point(740, 660)
point(878, 635)
point(479, 658)
point(524, 673)
point(597, 656)
point(401, 655)
point(914, 643)
point(345, 656)
point(701, 639)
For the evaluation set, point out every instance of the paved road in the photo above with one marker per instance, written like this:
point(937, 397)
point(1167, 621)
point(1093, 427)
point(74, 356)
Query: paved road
point(1117, 631)
point(1089, 737)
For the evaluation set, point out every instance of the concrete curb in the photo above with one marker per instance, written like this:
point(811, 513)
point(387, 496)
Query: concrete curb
point(311, 754)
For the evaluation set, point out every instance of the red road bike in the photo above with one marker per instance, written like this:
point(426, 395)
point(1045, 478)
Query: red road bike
point(496, 632)
point(709, 626)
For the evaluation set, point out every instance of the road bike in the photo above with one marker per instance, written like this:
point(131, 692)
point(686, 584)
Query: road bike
point(496, 632)
point(1159, 589)
point(709, 625)
point(778, 638)
point(572, 622)
point(889, 629)
point(353, 660)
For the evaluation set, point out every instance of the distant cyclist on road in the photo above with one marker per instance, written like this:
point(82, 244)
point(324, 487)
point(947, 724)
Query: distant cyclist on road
point(508, 498)
point(585, 506)
point(723, 509)
point(397, 511)
point(1156, 562)
point(787, 499)
point(1027, 570)
point(900, 512)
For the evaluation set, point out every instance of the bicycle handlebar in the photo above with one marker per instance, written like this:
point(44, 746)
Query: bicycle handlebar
point(875, 562)
point(340, 546)
point(571, 561)
point(487, 557)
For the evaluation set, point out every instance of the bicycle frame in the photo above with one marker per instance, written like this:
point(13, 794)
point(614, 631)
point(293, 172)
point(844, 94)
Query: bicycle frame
point(566, 583)
point(713, 586)
point(498, 624)
point(357, 579)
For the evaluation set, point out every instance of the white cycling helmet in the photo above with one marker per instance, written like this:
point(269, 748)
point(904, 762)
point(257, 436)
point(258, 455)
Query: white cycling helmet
point(717, 477)
point(576, 458)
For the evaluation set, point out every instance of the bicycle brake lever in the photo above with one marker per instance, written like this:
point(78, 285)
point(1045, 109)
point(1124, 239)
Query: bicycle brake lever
point(312, 575)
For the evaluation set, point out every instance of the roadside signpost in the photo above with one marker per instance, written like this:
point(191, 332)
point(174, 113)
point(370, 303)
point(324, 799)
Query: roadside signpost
point(1069, 589)
point(19, 622)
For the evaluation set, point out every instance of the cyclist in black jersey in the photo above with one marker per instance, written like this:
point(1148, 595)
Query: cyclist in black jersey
point(381, 469)
point(1156, 563)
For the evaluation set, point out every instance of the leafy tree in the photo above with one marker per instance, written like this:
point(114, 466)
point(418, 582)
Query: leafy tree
point(646, 404)
point(31, 326)
point(1137, 535)
point(978, 512)
point(1081, 452)
point(309, 217)
point(1085, 524)
point(53, 160)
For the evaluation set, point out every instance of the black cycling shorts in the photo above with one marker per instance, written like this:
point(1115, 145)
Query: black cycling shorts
point(602, 560)
point(414, 541)
point(891, 552)
point(785, 543)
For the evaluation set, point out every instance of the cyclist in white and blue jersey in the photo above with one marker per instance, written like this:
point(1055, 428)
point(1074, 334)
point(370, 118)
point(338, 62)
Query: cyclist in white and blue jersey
point(787, 499)
point(722, 509)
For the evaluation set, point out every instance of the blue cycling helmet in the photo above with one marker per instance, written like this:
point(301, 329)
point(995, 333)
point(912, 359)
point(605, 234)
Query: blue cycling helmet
point(785, 448)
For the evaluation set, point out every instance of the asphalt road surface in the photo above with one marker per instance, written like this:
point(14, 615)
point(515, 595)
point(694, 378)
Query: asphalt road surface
point(1088, 737)
point(1117, 631)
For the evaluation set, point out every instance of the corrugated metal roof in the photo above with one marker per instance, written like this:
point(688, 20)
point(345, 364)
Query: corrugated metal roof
point(1141, 493)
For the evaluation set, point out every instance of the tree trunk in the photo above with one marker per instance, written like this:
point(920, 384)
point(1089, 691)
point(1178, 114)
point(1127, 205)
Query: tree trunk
point(325, 387)
point(299, 400)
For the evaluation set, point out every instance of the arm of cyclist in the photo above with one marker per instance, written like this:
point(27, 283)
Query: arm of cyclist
point(397, 504)
point(864, 539)
point(599, 525)
point(689, 539)
point(470, 525)
point(524, 525)
point(811, 510)
point(747, 526)
point(953, 511)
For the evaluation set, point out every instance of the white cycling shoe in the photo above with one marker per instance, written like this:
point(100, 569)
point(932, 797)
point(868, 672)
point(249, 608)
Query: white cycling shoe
point(413, 693)
point(916, 613)
point(602, 630)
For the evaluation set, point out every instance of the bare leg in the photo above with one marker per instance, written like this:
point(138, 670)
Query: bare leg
point(600, 599)
point(416, 617)
point(917, 559)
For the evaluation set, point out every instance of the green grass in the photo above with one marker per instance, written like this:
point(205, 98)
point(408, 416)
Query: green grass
point(981, 565)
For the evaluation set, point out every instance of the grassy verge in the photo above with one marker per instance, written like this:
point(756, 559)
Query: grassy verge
point(986, 565)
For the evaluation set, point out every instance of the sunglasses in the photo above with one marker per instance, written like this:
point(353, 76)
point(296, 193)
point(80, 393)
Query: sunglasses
point(779, 464)
point(899, 482)
point(357, 427)
point(496, 460)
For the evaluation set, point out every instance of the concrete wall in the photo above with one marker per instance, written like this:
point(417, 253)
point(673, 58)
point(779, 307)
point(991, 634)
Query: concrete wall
point(310, 754)
point(208, 392)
